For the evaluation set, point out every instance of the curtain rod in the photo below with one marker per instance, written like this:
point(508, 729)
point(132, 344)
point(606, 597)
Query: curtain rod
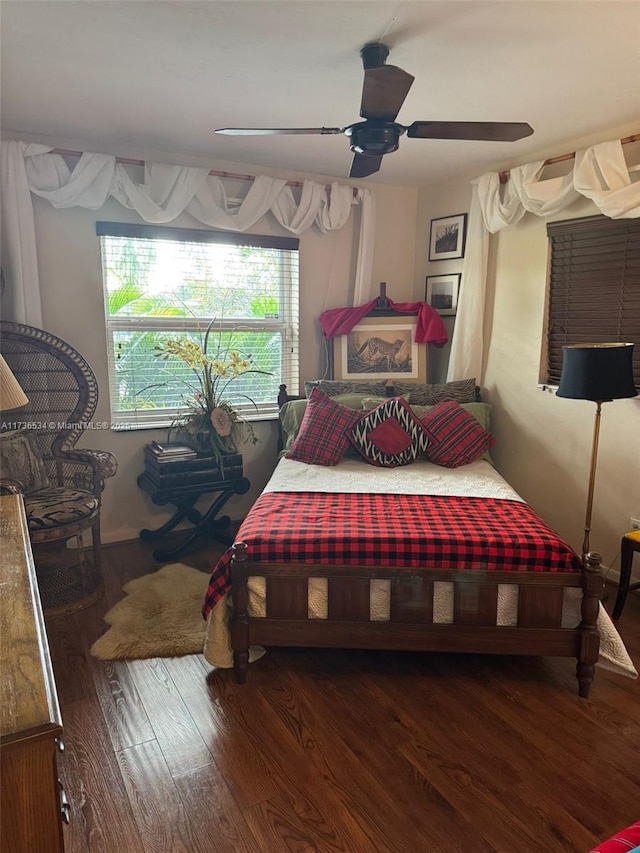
point(504, 176)
point(64, 152)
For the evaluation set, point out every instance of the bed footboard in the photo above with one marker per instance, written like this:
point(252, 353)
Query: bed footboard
point(474, 621)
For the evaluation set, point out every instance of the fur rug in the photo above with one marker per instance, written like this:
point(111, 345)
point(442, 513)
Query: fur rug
point(160, 616)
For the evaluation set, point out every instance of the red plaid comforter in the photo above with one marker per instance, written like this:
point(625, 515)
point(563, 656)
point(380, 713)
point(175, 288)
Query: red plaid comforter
point(396, 530)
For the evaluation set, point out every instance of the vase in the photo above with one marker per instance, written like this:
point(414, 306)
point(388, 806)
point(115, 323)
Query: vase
point(204, 441)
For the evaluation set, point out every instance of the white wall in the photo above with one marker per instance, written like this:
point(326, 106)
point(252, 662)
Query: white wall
point(544, 442)
point(72, 303)
point(436, 203)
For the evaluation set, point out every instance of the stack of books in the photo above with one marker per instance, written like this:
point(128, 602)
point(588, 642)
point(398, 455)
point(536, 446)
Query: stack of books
point(167, 465)
point(166, 452)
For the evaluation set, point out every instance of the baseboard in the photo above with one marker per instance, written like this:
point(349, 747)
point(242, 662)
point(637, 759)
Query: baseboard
point(118, 538)
point(613, 575)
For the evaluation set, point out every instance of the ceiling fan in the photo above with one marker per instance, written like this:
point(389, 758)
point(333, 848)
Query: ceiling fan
point(383, 93)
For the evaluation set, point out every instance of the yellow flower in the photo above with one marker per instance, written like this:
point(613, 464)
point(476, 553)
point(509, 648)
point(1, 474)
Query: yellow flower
point(209, 418)
point(221, 421)
point(218, 367)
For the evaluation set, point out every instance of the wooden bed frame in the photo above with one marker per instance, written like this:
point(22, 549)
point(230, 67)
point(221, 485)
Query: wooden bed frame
point(410, 626)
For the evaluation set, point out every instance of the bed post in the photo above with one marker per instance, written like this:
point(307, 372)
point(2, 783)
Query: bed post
point(240, 618)
point(589, 636)
point(283, 397)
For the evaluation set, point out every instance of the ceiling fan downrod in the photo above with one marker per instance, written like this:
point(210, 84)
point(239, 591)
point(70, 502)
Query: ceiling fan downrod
point(374, 55)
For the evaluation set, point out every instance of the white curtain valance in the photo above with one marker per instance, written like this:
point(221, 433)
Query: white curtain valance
point(599, 173)
point(167, 191)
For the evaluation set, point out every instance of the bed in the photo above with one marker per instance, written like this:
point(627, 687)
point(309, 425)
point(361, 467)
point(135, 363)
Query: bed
point(415, 557)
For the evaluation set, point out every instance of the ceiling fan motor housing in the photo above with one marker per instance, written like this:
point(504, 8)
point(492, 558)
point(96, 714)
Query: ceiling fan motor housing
point(369, 137)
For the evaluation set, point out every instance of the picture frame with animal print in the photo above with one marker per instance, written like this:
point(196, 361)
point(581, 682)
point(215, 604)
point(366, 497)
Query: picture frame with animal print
point(380, 348)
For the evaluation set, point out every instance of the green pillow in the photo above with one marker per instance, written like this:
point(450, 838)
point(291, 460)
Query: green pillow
point(371, 402)
point(20, 460)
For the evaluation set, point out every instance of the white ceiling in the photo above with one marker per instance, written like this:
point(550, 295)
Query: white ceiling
point(163, 75)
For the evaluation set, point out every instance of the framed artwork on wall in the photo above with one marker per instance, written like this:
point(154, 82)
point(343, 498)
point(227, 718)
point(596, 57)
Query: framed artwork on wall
point(380, 348)
point(441, 292)
point(447, 237)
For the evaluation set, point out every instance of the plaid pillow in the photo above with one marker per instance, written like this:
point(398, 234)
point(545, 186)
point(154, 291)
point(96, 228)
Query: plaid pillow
point(389, 435)
point(462, 390)
point(455, 436)
point(625, 841)
point(322, 437)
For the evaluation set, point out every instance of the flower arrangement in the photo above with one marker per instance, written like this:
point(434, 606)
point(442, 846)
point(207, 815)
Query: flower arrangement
point(210, 423)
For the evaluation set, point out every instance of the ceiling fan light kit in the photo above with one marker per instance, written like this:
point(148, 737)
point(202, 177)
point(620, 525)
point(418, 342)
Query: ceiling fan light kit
point(384, 90)
point(369, 137)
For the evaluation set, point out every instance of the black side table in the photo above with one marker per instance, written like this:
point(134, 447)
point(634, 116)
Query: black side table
point(182, 483)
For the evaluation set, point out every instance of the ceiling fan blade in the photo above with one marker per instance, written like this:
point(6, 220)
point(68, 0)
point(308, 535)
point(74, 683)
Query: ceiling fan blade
point(362, 165)
point(384, 91)
point(491, 131)
point(275, 131)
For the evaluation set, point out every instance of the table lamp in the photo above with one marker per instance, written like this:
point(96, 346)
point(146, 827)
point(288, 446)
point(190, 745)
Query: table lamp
point(600, 373)
point(11, 394)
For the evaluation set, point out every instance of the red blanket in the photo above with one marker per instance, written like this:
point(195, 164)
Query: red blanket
point(396, 530)
point(429, 329)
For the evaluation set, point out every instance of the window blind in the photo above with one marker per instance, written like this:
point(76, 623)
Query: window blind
point(164, 283)
point(594, 286)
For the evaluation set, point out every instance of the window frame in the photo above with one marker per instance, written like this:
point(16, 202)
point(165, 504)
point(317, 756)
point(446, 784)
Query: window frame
point(589, 257)
point(287, 325)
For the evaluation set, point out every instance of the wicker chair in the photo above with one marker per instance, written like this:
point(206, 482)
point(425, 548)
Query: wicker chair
point(63, 499)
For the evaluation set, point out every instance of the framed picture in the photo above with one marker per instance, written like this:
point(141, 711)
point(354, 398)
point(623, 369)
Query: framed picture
point(442, 292)
point(380, 348)
point(448, 237)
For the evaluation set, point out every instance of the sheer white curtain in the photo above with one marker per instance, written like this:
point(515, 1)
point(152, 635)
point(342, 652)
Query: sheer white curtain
point(166, 192)
point(599, 173)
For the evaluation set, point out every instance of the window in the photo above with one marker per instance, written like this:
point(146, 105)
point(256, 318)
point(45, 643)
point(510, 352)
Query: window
point(163, 283)
point(594, 287)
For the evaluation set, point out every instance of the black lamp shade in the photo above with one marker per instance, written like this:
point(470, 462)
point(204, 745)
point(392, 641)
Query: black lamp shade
point(597, 372)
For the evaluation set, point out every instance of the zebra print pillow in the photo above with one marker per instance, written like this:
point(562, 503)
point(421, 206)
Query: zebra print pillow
point(334, 387)
point(461, 391)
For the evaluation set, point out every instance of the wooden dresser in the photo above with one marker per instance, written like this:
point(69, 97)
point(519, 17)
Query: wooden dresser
point(32, 802)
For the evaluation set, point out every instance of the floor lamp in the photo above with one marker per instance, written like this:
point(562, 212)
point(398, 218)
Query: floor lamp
point(600, 373)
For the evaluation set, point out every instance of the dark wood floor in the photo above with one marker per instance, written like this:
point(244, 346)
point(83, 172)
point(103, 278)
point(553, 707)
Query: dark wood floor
point(350, 751)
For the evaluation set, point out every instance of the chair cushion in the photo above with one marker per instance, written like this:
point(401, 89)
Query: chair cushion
point(56, 507)
point(20, 460)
